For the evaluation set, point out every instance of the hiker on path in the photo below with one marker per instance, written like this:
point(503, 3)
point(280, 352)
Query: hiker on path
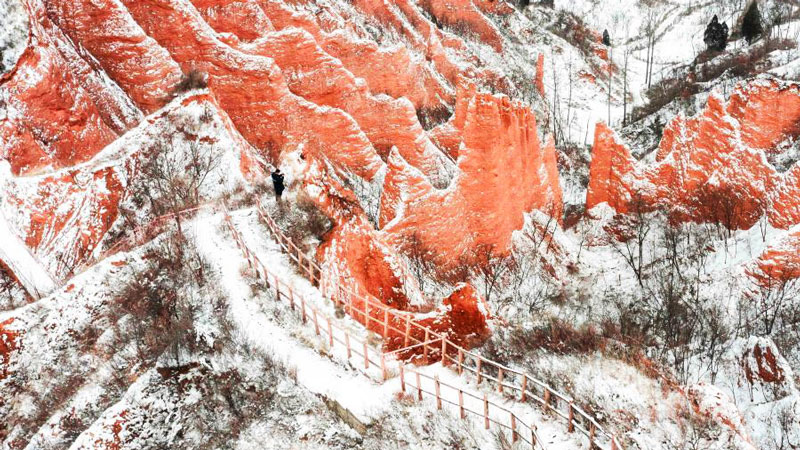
point(277, 183)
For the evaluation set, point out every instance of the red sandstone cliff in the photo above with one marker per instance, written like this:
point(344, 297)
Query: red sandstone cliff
point(500, 179)
point(710, 167)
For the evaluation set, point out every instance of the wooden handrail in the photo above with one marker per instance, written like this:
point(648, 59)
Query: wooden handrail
point(480, 371)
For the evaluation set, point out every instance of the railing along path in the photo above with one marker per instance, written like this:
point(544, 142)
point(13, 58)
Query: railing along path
point(412, 382)
point(399, 325)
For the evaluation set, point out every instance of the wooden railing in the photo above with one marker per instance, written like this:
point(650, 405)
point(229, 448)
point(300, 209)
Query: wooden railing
point(413, 382)
point(400, 325)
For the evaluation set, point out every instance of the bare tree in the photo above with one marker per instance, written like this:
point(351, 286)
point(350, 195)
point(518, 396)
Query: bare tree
point(173, 178)
point(633, 229)
point(489, 267)
point(650, 30)
point(773, 301)
point(420, 260)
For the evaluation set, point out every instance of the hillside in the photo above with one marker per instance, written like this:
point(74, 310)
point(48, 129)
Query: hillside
point(505, 224)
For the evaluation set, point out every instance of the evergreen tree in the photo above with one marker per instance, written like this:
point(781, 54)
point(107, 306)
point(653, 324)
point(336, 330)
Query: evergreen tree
point(716, 35)
point(606, 38)
point(524, 3)
point(751, 25)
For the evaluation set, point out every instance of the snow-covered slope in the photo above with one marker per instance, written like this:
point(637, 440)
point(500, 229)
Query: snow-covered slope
point(613, 223)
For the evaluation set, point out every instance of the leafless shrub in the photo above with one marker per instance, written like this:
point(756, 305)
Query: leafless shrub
point(301, 219)
point(429, 118)
point(554, 336)
point(194, 79)
point(696, 431)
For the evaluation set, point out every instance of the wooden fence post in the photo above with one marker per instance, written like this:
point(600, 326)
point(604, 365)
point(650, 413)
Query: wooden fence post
point(613, 443)
point(524, 387)
point(546, 398)
point(383, 366)
point(291, 298)
point(366, 356)
point(408, 330)
point(438, 396)
point(425, 347)
point(444, 351)
point(386, 323)
point(500, 380)
point(478, 371)
point(419, 388)
point(316, 324)
point(571, 426)
point(330, 333)
point(460, 361)
point(277, 288)
point(461, 412)
point(366, 313)
point(347, 343)
point(514, 436)
point(486, 411)
point(592, 431)
point(402, 378)
point(303, 307)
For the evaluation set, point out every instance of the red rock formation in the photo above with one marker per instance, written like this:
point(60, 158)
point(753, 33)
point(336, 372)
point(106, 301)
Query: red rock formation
point(359, 258)
point(253, 92)
point(540, 74)
point(394, 70)
point(500, 178)
point(134, 61)
point(464, 13)
point(706, 167)
point(767, 112)
point(51, 119)
point(65, 215)
point(610, 171)
point(242, 18)
point(778, 264)
point(462, 318)
point(760, 364)
point(322, 79)
point(402, 182)
point(8, 343)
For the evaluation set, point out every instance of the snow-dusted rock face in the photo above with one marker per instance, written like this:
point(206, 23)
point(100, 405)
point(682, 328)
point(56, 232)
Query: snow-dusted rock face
point(504, 171)
point(65, 215)
point(711, 167)
point(415, 127)
point(52, 117)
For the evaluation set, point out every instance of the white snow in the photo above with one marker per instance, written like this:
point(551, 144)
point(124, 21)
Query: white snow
point(15, 254)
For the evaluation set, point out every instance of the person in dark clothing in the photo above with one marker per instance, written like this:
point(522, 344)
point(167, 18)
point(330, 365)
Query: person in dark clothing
point(277, 183)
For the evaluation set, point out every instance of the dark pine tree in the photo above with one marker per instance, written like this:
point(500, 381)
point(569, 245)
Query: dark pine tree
point(751, 25)
point(524, 3)
point(716, 35)
point(550, 3)
point(606, 38)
